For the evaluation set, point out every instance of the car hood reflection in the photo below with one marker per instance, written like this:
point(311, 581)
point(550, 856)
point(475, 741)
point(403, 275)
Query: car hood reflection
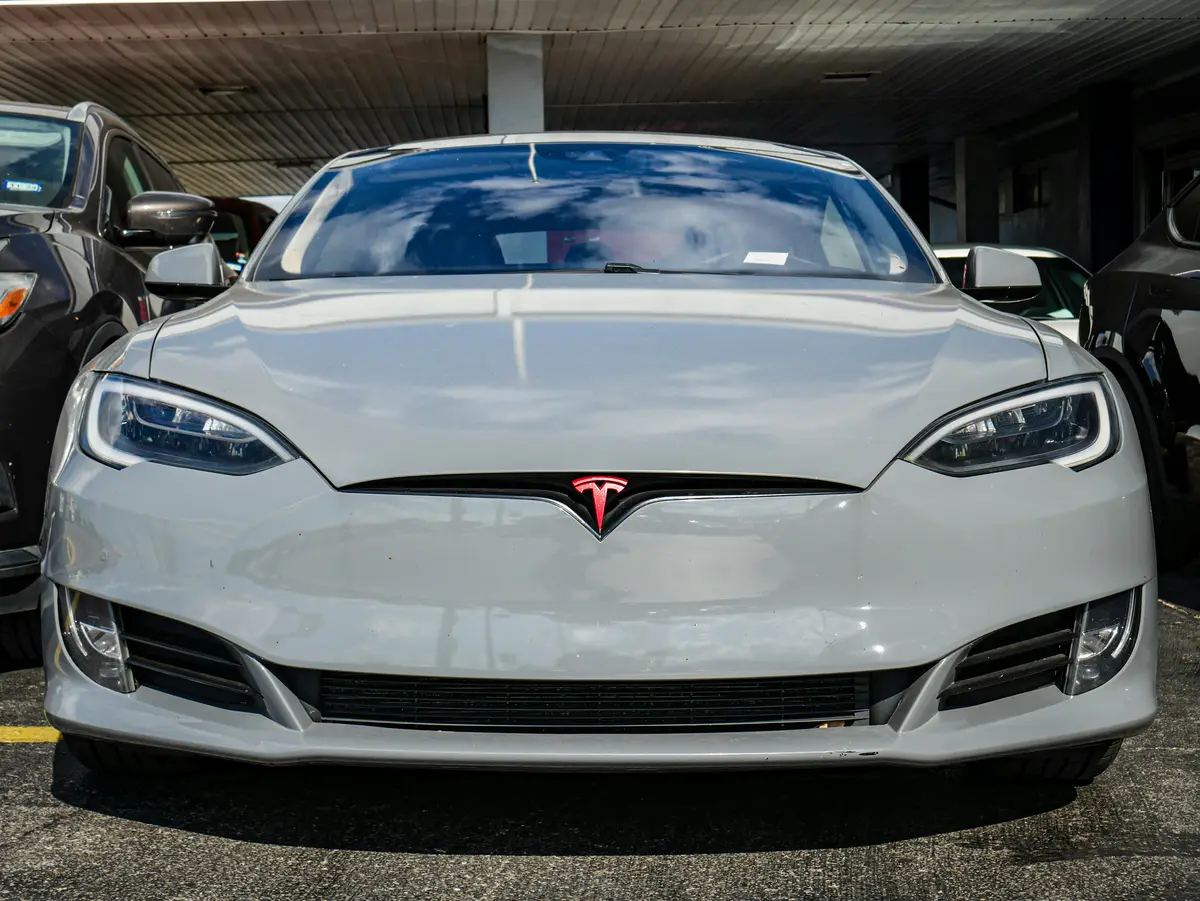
point(378, 378)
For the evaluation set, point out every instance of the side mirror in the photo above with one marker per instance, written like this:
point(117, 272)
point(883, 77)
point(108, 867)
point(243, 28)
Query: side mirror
point(167, 219)
point(994, 274)
point(186, 276)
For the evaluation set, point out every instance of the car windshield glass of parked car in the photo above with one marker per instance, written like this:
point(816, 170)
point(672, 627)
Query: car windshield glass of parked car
point(582, 206)
point(37, 160)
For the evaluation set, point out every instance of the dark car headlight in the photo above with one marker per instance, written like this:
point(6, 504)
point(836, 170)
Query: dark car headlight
point(1072, 423)
point(128, 421)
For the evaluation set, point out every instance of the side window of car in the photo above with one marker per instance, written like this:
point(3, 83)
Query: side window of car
point(1069, 279)
point(161, 178)
point(123, 179)
point(1185, 215)
point(229, 233)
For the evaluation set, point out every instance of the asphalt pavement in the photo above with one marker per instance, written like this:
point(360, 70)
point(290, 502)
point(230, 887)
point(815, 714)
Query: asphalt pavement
point(331, 833)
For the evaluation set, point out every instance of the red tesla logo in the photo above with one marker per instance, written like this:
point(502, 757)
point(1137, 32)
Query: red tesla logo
point(600, 486)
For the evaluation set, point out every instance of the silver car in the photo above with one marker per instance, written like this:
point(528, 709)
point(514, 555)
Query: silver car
point(597, 451)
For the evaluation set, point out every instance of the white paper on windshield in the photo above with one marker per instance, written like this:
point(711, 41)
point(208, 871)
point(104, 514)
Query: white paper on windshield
point(766, 257)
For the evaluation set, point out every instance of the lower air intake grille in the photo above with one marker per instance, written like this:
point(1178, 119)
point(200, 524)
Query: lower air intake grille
point(182, 660)
point(663, 705)
point(1016, 659)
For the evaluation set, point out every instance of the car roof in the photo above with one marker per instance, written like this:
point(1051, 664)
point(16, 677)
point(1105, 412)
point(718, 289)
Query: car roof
point(77, 113)
point(787, 151)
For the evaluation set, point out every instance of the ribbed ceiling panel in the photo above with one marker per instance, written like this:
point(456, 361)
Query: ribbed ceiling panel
point(332, 75)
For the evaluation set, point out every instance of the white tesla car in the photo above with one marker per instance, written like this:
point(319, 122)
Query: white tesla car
point(597, 451)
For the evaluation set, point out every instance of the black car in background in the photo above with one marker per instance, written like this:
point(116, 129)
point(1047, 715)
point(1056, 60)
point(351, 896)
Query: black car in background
point(81, 214)
point(1141, 318)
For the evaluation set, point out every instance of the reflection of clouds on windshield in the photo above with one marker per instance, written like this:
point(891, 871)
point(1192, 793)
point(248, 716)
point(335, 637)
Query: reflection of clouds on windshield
point(740, 222)
point(514, 198)
point(683, 162)
point(688, 208)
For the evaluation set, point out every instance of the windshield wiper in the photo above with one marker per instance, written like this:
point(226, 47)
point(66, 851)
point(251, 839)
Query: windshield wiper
point(617, 266)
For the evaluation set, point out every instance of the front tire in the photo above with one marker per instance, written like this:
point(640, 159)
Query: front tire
point(110, 758)
point(1072, 766)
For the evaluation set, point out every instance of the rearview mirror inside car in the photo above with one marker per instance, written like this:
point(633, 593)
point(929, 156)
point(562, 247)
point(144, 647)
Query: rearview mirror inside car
point(186, 276)
point(167, 219)
point(995, 274)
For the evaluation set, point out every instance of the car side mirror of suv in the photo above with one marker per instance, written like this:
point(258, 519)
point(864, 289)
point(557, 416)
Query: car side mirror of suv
point(186, 276)
point(167, 219)
point(994, 274)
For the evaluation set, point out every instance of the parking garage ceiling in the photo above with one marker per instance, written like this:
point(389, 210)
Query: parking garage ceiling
point(249, 97)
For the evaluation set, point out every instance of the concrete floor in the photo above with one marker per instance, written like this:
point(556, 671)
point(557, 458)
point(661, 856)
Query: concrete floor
point(241, 833)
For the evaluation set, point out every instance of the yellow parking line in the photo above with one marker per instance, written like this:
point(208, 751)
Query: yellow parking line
point(27, 735)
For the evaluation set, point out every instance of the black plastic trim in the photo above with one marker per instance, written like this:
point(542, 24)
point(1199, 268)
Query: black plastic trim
point(643, 488)
point(582, 706)
point(1018, 647)
point(1009, 674)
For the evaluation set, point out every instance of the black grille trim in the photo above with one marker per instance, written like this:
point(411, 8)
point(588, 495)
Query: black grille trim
point(565, 706)
point(1014, 660)
point(643, 488)
point(173, 657)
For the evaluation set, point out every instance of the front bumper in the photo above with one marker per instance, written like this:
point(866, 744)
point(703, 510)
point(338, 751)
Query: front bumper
point(918, 734)
point(903, 575)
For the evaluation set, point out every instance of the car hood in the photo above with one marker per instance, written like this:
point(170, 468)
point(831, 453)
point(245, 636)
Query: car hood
point(15, 222)
point(382, 378)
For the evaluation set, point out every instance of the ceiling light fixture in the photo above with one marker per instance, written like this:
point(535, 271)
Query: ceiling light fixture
point(298, 163)
point(847, 77)
point(224, 90)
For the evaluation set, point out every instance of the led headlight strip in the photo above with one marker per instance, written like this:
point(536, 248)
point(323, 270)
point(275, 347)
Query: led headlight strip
point(1071, 423)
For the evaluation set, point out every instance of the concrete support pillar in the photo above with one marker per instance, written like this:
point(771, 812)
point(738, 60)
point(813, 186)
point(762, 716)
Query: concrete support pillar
point(515, 84)
point(1106, 167)
point(910, 186)
point(977, 188)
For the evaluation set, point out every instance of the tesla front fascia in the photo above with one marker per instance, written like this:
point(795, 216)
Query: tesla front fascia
point(590, 519)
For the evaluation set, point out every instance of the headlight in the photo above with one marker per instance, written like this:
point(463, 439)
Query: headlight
point(1071, 423)
point(1107, 634)
point(129, 421)
point(15, 288)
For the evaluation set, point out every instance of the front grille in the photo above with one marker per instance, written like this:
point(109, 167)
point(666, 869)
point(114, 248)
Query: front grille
point(182, 660)
point(1020, 658)
point(661, 705)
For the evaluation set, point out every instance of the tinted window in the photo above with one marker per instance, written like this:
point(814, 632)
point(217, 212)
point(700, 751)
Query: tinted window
point(522, 207)
point(37, 160)
point(1067, 281)
point(229, 233)
point(123, 179)
point(161, 178)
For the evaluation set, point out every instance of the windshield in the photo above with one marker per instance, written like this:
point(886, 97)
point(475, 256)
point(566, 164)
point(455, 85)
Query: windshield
point(37, 160)
point(580, 206)
point(1062, 288)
